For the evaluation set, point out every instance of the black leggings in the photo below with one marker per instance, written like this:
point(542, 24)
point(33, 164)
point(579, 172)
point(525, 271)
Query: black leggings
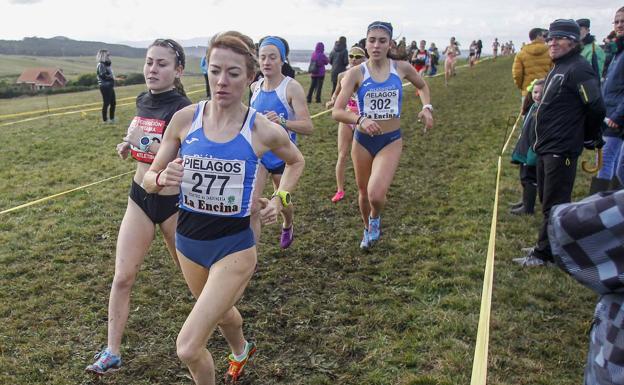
point(317, 84)
point(108, 94)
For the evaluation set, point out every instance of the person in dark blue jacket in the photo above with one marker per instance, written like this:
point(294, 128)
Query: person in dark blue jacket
point(611, 175)
point(339, 60)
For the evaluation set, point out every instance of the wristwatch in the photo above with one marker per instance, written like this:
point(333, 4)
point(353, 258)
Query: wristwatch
point(428, 106)
point(144, 143)
point(282, 121)
point(284, 196)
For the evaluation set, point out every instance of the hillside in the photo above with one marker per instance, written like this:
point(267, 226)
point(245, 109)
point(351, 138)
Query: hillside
point(11, 66)
point(63, 46)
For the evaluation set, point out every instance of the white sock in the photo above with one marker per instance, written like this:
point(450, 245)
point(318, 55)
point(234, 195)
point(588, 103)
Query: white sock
point(243, 354)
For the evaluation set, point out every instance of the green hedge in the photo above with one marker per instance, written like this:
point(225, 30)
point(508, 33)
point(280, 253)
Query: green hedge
point(84, 82)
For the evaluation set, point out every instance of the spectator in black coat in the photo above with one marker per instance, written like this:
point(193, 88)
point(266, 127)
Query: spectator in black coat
point(106, 81)
point(568, 118)
point(339, 60)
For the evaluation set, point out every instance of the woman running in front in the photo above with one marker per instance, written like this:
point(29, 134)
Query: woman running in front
point(164, 64)
point(220, 144)
point(282, 100)
point(377, 146)
point(345, 131)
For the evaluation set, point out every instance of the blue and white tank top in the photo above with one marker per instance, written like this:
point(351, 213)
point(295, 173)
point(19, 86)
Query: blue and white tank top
point(380, 101)
point(275, 100)
point(218, 177)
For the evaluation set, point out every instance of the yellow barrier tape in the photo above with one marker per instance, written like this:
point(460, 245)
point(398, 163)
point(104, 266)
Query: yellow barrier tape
point(479, 365)
point(5, 116)
point(62, 193)
point(74, 112)
point(58, 114)
point(116, 176)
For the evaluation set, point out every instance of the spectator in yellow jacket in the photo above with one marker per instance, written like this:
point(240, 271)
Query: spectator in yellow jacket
point(532, 62)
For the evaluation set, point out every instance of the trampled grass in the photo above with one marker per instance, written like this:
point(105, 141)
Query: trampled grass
point(322, 312)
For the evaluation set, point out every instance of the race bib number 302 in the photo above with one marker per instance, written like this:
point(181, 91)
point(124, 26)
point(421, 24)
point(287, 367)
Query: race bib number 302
point(213, 186)
point(381, 104)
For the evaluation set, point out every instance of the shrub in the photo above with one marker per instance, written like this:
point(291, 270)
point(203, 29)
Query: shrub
point(129, 79)
point(86, 80)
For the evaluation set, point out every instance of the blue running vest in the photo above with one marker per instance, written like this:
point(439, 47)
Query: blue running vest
point(275, 100)
point(218, 177)
point(380, 101)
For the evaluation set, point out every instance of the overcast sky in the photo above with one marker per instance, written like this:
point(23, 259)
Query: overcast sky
point(301, 22)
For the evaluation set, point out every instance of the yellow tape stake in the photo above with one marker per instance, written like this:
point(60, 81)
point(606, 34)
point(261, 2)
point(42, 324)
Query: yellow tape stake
point(511, 134)
point(62, 193)
point(479, 364)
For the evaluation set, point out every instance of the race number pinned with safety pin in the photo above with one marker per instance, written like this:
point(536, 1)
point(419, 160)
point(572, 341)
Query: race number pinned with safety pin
point(381, 104)
point(153, 129)
point(213, 186)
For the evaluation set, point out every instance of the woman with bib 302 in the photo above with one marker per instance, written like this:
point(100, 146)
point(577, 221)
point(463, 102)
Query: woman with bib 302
point(377, 147)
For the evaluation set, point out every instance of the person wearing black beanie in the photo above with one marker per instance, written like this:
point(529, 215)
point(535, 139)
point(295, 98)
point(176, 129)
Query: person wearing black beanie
point(568, 119)
point(339, 59)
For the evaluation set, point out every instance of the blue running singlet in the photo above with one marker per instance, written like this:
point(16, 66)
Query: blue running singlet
point(275, 100)
point(380, 100)
point(218, 177)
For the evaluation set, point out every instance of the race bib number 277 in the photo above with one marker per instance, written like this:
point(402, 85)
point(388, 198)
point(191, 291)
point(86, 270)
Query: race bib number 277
point(213, 186)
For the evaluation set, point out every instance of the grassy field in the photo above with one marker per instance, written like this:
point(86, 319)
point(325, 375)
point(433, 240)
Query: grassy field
point(13, 65)
point(322, 312)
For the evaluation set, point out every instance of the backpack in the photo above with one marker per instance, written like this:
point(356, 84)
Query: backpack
point(313, 67)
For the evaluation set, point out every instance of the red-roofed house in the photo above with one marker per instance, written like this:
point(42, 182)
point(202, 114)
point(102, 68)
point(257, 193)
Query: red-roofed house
point(38, 78)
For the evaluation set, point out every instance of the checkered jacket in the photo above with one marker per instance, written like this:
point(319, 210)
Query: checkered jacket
point(587, 240)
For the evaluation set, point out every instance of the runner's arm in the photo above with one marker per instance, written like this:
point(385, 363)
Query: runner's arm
point(331, 101)
point(348, 86)
point(413, 77)
point(423, 91)
point(166, 169)
point(303, 124)
point(272, 137)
